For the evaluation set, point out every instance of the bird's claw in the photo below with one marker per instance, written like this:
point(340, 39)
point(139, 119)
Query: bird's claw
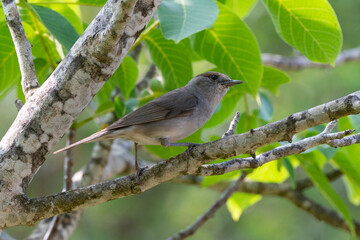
point(138, 173)
point(191, 146)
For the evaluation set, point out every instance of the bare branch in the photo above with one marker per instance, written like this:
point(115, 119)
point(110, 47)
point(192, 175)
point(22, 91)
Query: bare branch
point(319, 212)
point(42, 121)
point(144, 83)
point(232, 126)
point(29, 80)
point(18, 104)
point(301, 62)
point(330, 126)
point(277, 153)
point(210, 212)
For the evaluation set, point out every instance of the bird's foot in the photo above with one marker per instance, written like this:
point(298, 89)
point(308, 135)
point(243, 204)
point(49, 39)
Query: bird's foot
point(191, 146)
point(139, 171)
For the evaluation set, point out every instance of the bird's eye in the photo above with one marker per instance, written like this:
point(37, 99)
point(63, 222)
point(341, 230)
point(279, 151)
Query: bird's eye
point(214, 77)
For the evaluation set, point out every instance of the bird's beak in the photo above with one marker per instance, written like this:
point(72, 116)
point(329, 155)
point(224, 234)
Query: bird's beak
point(230, 83)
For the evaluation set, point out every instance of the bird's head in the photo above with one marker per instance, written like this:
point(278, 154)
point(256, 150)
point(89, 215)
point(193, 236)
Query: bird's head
point(212, 83)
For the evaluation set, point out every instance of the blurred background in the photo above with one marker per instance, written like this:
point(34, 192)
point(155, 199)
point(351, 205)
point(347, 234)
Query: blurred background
point(168, 208)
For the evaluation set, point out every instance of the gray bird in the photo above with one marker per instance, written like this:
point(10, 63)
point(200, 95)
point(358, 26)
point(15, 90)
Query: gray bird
point(170, 117)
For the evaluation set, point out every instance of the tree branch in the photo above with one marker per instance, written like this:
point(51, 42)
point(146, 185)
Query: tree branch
point(301, 62)
point(279, 152)
point(29, 80)
point(210, 212)
point(50, 111)
point(186, 163)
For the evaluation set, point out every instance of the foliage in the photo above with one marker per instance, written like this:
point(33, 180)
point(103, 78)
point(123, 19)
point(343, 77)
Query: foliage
point(212, 35)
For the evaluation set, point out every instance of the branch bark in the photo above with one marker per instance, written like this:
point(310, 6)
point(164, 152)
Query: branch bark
point(301, 62)
point(50, 111)
point(29, 80)
point(186, 163)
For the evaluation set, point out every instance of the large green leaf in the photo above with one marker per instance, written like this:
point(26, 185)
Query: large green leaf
point(238, 202)
point(57, 25)
point(182, 18)
point(273, 78)
point(125, 76)
point(309, 26)
point(172, 61)
point(231, 46)
point(241, 7)
point(9, 66)
point(321, 182)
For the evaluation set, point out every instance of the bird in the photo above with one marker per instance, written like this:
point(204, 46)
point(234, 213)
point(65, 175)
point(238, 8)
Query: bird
point(170, 117)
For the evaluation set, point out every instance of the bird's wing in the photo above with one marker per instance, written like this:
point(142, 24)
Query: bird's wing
point(177, 103)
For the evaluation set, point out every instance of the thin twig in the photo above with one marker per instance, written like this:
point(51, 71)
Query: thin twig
point(301, 62)
point(29, 80)
point(330, 126)
point(211, 211)
point(68, 166)
point(18, 104)
point(144, 83)
point(232, 126)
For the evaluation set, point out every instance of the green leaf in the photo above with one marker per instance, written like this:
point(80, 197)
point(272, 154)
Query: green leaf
point(182, 18)
point(104, 95)
point(156, 85)
point(125, 76)
point(289, 167)
point(9, 67)
point(269, 172)
point(57, 25)
point(349, 164)
point(172, 61)
point(266, 107)
point(322, 183)
point(227, 177)
point(238, 202)
point(231, 46)
point(273, 78)
point(309, 26)
point(242, 8)
point(353, 190)
point(119, 107)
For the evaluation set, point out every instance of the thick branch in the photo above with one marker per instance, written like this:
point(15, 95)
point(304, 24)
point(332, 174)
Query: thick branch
point(29, 80)
point(301, 62)
point(50, 111)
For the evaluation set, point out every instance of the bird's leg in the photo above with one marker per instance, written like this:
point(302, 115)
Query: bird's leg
point(165, 143)
point(137, 168)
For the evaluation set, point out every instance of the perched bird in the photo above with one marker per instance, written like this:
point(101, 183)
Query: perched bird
point(170, 117)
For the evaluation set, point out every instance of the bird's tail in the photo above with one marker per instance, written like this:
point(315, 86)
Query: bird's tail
point(92, 138)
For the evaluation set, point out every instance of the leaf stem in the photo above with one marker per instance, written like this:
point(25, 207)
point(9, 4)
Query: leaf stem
point(143, 35)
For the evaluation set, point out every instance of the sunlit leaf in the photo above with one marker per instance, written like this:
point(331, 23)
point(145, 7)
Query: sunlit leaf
point(241, 7)
point(273, 78)
point(182, 18)
point(269, 172)
point(309, 26)
point(238, 202)
point(173, 63)
point(231, 46)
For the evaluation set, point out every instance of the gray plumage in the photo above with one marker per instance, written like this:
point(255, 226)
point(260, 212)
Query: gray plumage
point(170, 117)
